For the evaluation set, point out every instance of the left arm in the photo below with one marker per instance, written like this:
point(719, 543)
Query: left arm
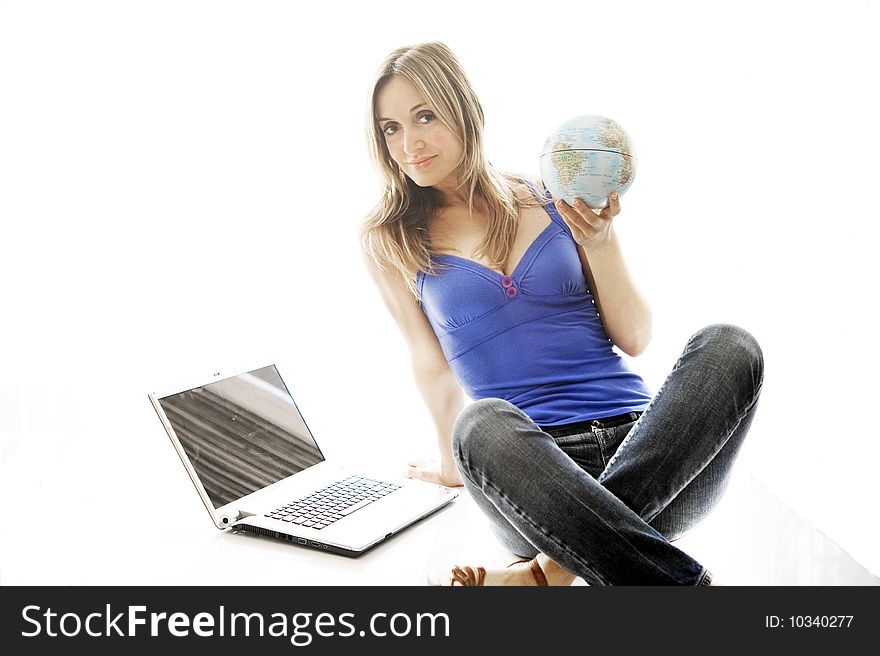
point(624, 312)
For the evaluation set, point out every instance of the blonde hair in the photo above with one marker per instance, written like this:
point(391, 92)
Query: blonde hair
point(395, 233)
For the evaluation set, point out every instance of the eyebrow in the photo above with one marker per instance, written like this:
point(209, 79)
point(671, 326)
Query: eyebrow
point(410, 111)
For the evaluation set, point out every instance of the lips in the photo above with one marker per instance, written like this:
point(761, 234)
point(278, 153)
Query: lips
point(423, 162)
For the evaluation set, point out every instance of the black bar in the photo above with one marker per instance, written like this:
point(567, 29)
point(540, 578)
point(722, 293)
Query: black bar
point(522, 620)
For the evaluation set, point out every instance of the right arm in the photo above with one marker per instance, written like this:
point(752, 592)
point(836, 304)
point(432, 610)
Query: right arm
point(437, 384)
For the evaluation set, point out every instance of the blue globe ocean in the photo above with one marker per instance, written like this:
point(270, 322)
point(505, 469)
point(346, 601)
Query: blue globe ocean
point(588, 157)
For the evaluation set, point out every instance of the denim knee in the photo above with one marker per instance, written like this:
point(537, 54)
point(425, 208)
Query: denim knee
point(471, 436)
point(735, 350)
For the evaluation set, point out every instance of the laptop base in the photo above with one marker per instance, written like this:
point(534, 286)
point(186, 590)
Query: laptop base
point(303, 542)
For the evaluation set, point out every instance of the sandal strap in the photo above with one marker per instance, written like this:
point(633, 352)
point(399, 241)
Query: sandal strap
point(537, 572)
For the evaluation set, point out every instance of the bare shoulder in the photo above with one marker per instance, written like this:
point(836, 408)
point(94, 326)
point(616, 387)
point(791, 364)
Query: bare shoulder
point(523, 191)
point(388, 277)
point(423, 343)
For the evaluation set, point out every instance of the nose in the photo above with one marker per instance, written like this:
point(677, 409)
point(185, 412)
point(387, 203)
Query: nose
point(411, 143)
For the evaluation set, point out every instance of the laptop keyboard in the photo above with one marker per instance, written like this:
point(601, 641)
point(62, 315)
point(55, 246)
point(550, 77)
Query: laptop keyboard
point(330, 504)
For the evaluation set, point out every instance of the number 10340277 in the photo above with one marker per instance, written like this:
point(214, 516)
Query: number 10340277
point(808, 621)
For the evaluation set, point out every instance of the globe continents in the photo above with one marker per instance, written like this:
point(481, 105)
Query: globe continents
point(588, 157)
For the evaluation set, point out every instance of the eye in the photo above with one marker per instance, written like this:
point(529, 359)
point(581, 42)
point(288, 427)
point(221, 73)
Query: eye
point(389, 129)
point(427, 115)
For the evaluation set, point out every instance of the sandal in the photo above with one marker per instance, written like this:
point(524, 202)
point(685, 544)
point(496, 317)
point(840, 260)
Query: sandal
point(537, 572)
point(476, 575)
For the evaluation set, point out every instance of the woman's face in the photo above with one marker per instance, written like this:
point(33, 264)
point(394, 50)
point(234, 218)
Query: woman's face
point(425, 149)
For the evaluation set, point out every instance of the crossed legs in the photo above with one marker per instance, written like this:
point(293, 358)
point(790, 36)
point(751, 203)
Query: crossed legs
point(666, 475)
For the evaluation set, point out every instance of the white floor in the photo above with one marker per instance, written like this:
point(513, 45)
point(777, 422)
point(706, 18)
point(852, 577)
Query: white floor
point(753, 538)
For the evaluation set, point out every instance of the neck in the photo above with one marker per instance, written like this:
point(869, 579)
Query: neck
point(453, 195)
point(459, 200)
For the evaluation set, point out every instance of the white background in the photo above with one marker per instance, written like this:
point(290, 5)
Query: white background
point(181, 185)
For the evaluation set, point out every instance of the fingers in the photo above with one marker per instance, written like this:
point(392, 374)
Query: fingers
point(422, 475)
point(580, 225)
point(576, 231)
point(613, 208)
point(580, 210)
point(422, 470)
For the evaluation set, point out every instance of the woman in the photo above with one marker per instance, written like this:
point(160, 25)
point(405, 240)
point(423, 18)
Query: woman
point(518, 301)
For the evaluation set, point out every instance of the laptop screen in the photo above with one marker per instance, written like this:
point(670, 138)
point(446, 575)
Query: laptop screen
point(241, 433)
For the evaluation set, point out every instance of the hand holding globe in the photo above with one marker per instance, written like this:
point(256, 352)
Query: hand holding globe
point(587, 226)
point(588, 157)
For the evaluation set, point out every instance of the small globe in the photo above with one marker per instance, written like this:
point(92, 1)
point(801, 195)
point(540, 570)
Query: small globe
point(588, 157)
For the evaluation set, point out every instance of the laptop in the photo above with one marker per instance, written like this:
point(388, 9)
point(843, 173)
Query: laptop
point(259, 469)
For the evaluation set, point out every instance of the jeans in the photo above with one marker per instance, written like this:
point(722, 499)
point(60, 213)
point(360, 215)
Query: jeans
point(606, 504)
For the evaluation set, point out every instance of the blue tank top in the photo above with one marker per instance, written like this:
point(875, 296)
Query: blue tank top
point(533, 338)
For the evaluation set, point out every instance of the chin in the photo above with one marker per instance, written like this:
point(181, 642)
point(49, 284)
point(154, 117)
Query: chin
point(422, 181)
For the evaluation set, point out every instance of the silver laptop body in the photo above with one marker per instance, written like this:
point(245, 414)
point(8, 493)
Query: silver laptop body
point(256, 465)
